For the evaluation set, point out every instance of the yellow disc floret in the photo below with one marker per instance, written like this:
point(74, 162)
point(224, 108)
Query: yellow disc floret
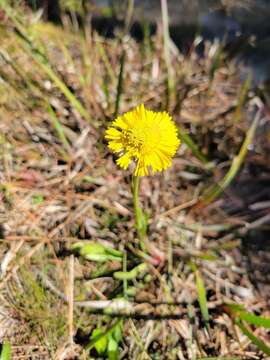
point(147, 137)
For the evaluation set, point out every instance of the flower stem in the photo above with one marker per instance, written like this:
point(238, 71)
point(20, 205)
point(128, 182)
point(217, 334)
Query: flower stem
point(140, 217)
point(135, 190)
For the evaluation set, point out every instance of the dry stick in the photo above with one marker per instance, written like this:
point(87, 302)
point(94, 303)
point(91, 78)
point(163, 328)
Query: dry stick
point(9, 256)
point(121, 308)
point(166, 39)
point(71, 298)
point(139, 341)
point(178, 208)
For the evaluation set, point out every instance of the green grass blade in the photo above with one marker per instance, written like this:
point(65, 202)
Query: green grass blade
point(6, 351)
point(201, 293)
point(61, 85)
point(216, 64)
point(202, 296)
point(242, 98)
point(252, 319)
point(106, 61)
point(40, 58)
point(58, 129)
point(186, 139)
point(120, 83)
point(212, 193)
point(256, 341)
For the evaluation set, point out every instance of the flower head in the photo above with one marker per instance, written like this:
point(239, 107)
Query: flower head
point(149, 138)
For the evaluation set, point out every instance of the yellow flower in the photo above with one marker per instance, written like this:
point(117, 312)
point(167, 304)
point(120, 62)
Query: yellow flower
point(147, 137)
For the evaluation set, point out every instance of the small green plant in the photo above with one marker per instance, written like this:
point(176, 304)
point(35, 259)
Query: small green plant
point(5, 351)
point(95, 251)
point(106, 342)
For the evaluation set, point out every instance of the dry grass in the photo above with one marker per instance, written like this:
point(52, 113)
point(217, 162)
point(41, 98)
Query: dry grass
point(59, 184)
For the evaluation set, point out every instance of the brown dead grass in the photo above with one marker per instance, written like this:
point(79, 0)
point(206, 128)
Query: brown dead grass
point(50, 198)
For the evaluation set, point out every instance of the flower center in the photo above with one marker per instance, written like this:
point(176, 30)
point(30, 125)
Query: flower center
point(132, 140)
point(141, 139)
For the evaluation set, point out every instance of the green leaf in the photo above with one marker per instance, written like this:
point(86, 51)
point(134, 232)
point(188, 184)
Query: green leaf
point(95, 251)
point(37, 199)
point(132, 274)
point(114, 338)
point(105, 334)
point(6, 351)
point(113, 252)
point(101, 341)
point(117, 333)
point(112, 349)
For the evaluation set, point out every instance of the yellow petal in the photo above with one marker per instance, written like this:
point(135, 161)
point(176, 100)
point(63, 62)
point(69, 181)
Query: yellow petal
point(112, 133)
point(124, 161)
point(115, 146)
point(120, 123)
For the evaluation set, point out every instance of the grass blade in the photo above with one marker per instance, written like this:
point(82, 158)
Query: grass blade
point(242, 98)
point(120, 83)
point(6, 351)
point(216, 64)
point(60, 84)
point(166, 40)
point(59, 129)
point(252, 319)
point(256, 341)
point(201, 293)
point(39, 57)
point(186, 139)
point(106, 61)
point(212, 193)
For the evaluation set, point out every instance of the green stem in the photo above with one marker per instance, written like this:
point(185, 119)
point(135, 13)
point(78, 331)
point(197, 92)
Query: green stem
point(135, 190)
point(140, 219)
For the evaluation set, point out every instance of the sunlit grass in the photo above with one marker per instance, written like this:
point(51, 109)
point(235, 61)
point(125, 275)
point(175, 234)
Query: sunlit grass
point(62, 194)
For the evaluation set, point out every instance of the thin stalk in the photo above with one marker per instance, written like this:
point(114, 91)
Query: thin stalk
point(129, 14)
point(135, 190)
point(125, 282)
point(120, 83)
point(166, 40)
point(140, 218)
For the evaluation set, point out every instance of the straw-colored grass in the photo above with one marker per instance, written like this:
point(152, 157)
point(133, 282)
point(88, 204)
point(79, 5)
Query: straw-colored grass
point(59, 88)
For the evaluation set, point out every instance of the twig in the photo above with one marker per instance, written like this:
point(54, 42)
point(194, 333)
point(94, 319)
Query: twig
point(71, 298)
